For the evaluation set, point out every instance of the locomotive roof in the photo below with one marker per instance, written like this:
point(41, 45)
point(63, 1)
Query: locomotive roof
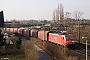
point(60, 34)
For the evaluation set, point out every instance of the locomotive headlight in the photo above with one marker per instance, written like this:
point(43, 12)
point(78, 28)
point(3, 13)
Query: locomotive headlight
point(72, 41)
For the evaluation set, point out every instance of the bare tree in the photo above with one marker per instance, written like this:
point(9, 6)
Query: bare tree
point(77, 14)
point(58, 14)
point(61, 13)
point(67, 15)
point(54, 15)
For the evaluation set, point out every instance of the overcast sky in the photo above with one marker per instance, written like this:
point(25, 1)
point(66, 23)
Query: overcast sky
point(41, 9)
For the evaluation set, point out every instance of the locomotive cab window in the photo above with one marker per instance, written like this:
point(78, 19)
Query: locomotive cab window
point(69, 37)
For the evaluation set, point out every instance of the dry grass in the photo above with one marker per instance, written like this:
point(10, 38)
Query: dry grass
point(70, 58)
point(30, 52)
point(58, 52)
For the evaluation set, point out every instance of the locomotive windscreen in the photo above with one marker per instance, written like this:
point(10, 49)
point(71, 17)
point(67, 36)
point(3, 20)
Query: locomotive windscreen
point(1, 19)
point(69, 37)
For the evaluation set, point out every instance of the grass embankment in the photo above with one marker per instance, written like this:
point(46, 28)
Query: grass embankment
point(26, 52)
point(58, 52)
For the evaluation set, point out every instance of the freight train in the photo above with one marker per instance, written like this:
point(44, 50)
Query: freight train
point(58, 38)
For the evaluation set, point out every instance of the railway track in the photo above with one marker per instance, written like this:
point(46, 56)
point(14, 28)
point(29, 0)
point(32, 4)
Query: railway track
point(80, 49)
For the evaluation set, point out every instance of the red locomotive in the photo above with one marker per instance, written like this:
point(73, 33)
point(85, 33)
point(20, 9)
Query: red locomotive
point(62, 39)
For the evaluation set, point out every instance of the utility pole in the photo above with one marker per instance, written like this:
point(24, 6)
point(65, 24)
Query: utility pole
point(28, 28)
point(86, 49)
point(86, 45)
point(78, 30)
point(44, 37)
